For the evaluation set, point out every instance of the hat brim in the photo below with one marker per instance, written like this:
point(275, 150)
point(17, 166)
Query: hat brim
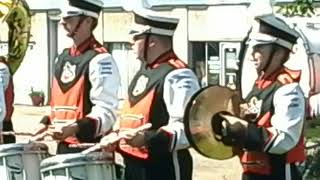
point(259, 38)
point(137, 30)
point(145, 29)
point(263, 39)
point(73, 11)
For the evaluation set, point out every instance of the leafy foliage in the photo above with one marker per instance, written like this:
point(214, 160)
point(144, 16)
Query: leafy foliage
point(36, 93)
point(303, 8)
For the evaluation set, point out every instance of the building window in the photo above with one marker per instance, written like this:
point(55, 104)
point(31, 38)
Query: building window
point(215, 63)
point(201, 54)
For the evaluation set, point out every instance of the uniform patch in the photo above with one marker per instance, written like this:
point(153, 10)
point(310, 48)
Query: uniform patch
point(68, 73)
point(105, 68)
point(141, 85)
point(252, 109)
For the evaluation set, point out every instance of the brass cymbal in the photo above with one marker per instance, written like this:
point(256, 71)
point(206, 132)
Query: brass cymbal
point(197, 120)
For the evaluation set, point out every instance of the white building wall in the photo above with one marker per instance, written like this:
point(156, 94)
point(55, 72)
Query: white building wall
point(63, 40)
point(116, 28)
point(180, 38)
point(98, 31)
point(218, 23)
point(33, 71)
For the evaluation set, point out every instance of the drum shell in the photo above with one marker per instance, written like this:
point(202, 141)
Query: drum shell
point(21, 161)
point(98, 166)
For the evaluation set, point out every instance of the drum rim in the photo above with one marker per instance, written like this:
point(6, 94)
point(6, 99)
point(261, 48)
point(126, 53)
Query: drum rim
point(76, 158)
point(22, 153)
point(21, 147)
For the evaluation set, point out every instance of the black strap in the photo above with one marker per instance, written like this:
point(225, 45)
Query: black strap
point(75, 30)
point(146, 44)
point(273, 51)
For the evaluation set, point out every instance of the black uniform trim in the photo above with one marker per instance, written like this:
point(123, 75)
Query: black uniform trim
point(160, 159)
point(257, 136)
point(266, 28)
point(85, 5)
point(157, 141)
point(155, 81)
point(159, 168)
point(8, 126)
point(157, 24)
point(86, 129)
point(254, 138)
point(82, 65)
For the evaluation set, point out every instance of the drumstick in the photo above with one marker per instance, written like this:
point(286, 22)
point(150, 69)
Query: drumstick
point(40, 137)
point(33, 139)
point(116, 139)
point(82, 145)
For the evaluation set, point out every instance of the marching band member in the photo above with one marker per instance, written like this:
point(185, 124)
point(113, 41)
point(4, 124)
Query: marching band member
point(86, 81)
point(270, 129)
point(6, 102)
point(158, 95)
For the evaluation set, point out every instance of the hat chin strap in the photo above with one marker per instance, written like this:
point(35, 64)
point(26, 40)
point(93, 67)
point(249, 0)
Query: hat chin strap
point(273, 51)
point(276, 65)
point(146, 47)
point(75, 30)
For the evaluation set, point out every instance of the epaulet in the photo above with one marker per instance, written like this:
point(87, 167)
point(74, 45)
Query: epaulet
point(177, 63)
point(289, 76)
point(3, 60)
point(65, 51)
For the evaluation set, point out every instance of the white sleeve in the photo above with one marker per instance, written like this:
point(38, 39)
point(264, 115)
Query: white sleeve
point(4, 81)
point(179, 86)
point(105, 81)
point(287, 121)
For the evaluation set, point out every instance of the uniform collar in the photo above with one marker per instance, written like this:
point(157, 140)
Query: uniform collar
point(90, 43)
point(163, 58)
point(265, 82)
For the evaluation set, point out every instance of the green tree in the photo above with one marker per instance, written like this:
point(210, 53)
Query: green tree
point(298, 8)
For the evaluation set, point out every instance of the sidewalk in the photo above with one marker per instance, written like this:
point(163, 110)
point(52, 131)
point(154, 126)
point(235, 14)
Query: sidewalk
point(25, 118)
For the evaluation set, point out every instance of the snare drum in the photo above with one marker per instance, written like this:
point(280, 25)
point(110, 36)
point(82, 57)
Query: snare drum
point(21, 161)
point(94, 166)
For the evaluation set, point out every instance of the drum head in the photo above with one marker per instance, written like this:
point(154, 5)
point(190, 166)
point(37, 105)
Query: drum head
point(197, 120)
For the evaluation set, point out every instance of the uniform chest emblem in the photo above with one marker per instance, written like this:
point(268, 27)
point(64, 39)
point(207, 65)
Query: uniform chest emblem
point(141, 85)
point(68, 73)
point(251, 110)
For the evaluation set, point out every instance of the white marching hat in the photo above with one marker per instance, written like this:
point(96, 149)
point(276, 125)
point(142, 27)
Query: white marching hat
point(271, 29)
point(150, 22)
point(90, 8)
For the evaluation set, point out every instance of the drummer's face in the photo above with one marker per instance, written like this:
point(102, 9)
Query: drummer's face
point(260, 56)
point(138, 46)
